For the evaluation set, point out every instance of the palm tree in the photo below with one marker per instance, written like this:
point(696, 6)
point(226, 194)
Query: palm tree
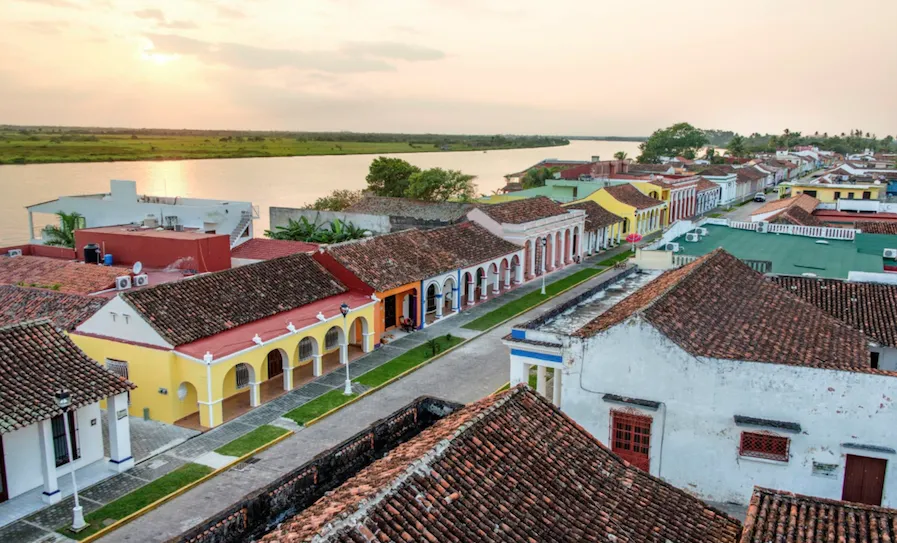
point(64, 234)
point(620, 155)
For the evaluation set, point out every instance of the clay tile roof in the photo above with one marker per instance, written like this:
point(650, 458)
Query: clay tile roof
point(718, 170)
point(468, 243)
point(191, 309)
point(774, 513)
point(705, 185)
point(66, 311)
point(524, 210)
point(58, 274)
point(878, 227)
point(508, 468)
point(266, 249)
point(870, 308)
point(718, 307)
point(797, 216)
point(407, 207)
point(596, 216)
point(653, 168)
point(746, 175)
point(38, 359)
point(631, 196)
point(804, 201)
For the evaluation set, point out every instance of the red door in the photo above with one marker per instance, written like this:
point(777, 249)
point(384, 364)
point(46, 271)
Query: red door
point(864, 479)
point(631, 438)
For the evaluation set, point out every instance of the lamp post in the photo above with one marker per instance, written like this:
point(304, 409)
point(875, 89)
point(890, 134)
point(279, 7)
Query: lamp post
point(544, 245)
point(344, 309)
point(64, 402)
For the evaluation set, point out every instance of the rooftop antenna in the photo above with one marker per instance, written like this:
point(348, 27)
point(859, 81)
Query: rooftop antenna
point(137, 268)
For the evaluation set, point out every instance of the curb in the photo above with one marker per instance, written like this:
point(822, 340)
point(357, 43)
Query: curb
point(146, 509)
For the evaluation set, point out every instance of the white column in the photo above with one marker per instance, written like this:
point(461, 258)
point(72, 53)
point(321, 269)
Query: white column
point(518, 273)
point(508, 276)
point(439, 302)
point(423, 311)
point(472, 293)
point(561, 253)
point(367, 342)
point(51, 492)
point(540, 381)
point(484, 288)
point(255, 397)
point(517, 372)
point(317, 365)
point(532, 257)
point(456, 298)
point(556, 397)
point(119, 428)
point(550, 264)
point(619, 232)
point(287, 376)
point(496, 283)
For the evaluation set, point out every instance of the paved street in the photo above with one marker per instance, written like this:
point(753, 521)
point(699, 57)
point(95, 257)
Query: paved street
point(473, 371)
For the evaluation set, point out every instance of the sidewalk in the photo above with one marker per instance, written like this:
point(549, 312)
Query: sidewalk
point(43, 523)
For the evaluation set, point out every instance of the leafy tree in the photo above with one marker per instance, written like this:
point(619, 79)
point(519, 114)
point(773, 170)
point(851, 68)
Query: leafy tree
point(337, 200)
point(710, 154)
point(390, 176)
point(438, 185)
point(736, 146)
point(679, 139)
point(64, 234)
point(620, 155)
point(536, 177)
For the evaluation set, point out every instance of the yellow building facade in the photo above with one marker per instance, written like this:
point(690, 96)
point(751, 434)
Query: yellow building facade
point(640, 212)
point(832, 193)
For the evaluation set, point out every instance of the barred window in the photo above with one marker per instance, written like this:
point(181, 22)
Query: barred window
point(306, 349)
point(242, 376)
point(60, 450)
point(769, 446)
point(331, 340)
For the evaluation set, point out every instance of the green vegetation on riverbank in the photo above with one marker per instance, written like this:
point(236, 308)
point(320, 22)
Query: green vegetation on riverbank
point(36, 145)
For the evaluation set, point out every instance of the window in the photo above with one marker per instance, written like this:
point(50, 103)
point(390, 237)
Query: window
point(431, 299)
point(331, 340)
point(850, 196)
point(120, 368)
point(873, 356)
point(631, 438)
point(242, 376)
point(59, 448)
point(306, 349)
point(867, 195)
point(837, 195)
point(769, 446)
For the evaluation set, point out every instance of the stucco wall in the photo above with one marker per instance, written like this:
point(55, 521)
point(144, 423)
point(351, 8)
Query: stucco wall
point(695, 441)
point(118, 319)
point(280, 216)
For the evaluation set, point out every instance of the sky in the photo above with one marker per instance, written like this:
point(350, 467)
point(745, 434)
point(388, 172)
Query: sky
point(567, 67)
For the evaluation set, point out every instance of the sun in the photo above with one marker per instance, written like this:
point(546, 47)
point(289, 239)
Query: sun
point(149, 54)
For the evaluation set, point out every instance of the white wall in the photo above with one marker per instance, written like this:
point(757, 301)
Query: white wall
point(695, 441)
point(22, 453)
point(126, 324)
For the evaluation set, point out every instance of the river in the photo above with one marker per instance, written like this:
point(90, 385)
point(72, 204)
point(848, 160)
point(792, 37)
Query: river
point(284, 182)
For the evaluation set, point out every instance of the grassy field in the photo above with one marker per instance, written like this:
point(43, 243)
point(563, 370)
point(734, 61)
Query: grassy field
point(530, 300)
point(251, 441)
point(616, 258)
point(35, 146)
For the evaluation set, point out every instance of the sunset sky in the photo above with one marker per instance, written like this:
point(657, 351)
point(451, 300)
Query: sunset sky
point(574, 67)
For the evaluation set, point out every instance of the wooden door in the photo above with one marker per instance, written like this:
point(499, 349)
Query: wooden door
point(4, 492)
point(631, 438)
point(864, 479)
point(389, 311)
point(275, 364)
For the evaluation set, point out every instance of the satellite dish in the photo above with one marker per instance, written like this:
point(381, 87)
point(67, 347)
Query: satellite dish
point(137, 268)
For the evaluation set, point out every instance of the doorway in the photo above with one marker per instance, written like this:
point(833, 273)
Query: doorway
point(4, 492)
point(631, 438)
point(389, 311)
point(275, 364)
point(864, 479)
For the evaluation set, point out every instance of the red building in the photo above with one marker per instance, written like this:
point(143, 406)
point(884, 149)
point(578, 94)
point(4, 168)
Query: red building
point(159, 249)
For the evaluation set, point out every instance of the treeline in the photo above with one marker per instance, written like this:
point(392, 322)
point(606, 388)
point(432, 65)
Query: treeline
point(844, 143)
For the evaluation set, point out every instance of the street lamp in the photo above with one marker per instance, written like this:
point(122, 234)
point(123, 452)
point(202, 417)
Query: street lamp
point(344, 309)
point(544, 245)
point(64, 402)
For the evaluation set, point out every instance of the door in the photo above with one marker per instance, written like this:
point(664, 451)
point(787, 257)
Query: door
point(631, 438)
point(864, 479)
point(389, 311)
point(275, 364)
point(4, 492)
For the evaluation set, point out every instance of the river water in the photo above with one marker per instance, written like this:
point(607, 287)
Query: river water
point(283, 182)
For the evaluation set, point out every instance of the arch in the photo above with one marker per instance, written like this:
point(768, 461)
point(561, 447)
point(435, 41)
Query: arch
point(306, 349)
point(528, 259)
point(625, 225)
point(432, 291)
point(238, 378)
point(274, 363)
point(467, 281)
point(515, 263)
point(575, 249)
point(653, 194)
point(448, 294)
point(334, 338)
point(187, 394)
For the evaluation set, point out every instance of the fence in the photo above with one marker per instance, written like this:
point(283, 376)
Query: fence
point(762, 266)
point(822, 232)
point(681, 260)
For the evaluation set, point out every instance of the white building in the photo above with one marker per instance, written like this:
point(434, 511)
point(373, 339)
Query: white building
point(727, 180)
point(708, 196)
point(37, 359)
point(122, 205)
point(603, 229)
point(716, 379)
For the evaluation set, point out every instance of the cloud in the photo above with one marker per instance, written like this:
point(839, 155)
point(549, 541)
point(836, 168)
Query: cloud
point(156, 15)
point(56, 3)
point(45, 27)
point(230, 13)
point(392, 50)
point(248, 57)
point(151, 13)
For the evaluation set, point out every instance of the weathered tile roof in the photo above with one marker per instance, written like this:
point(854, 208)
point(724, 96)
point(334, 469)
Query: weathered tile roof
point(58, 274)
point(36, 360)
point(509, 468)
point(596, 216)
point(652, 168)
point(718, 170)
point(66, 311)
point(266, 249)
point(804, 201)
point(407, 207)
point(524, 210)
point(718, 307)
point(878, 227)
point(797, 216)
point(746, 175)
point(870, 308)
point(631, 196)
point(776, 515)
point(396, 259)
point(191, 309)
point(705, 185)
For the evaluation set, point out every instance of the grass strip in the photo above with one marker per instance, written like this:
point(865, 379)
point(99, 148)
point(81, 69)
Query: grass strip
point(532, 299)
point(251, 441)
point(616, 258)
point(407, 360)
point(140, 498)
point(320, 405)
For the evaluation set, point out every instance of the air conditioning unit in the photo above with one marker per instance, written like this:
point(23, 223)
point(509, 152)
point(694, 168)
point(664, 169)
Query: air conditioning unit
point(123, 282)
point(763, 227)
point(691, 236)
point(808, 274)
point(674, 247)
point(701, 231)
point(890, 253)
point(15, 252)
point(141, 280)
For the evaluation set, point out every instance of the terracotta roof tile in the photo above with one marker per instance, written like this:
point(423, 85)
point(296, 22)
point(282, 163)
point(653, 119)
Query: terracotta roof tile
point(207, 304)
point(468, 243)
point(774, 513)
point(718, 307)
point(510, 468)
point(524, 210)
point(705, 185)
point(596, 216)
point(878, 227)
point(266, 249)
point(718, 170)
point(36, 360)
point(797, 216)
point(407, 207)
point(804, 201)
point(66, 311)
point(631, 196)
point(62, 275)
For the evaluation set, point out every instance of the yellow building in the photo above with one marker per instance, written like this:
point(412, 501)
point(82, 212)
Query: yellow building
point(640, 212)
point(829, 192)
point(207, 349)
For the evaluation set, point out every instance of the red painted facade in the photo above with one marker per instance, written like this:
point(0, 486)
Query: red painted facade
point(42, 250)
point(345, 276)
point(159, 249)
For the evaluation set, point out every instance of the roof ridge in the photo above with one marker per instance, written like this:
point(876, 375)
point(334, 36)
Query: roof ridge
point(325, 246)
point(31, 322)
point(697, 264)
